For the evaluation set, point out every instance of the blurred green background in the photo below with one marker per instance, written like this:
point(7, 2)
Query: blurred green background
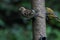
point(12, 29)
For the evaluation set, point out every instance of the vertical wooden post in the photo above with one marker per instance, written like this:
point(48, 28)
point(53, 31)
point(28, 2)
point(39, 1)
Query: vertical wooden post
point(39, 23)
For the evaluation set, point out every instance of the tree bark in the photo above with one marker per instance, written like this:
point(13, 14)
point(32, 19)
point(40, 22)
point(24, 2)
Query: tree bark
point(39, 23)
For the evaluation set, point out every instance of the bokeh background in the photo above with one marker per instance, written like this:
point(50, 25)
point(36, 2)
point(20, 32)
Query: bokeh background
point(11, 27)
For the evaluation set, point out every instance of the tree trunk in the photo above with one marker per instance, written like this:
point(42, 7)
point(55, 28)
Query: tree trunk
point(39, 23)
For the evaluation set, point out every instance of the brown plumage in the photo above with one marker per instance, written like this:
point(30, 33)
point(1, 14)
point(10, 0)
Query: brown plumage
point(26, 12)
